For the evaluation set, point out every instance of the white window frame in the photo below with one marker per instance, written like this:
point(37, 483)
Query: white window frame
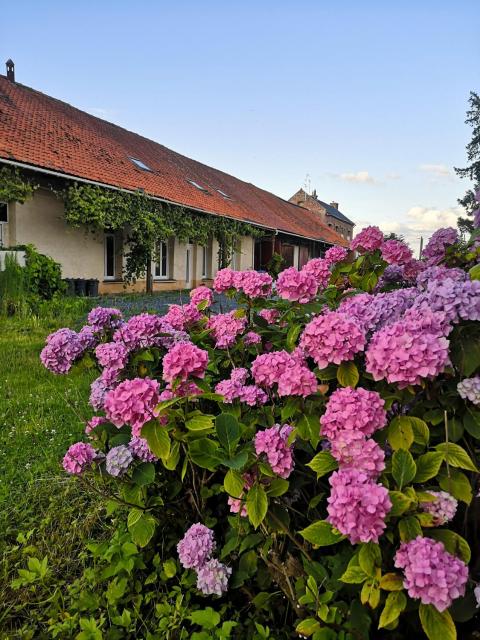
point(105, 258)
point(158, 262)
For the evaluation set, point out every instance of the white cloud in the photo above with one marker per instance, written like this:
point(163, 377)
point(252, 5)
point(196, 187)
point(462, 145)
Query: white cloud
point(438, 171)
point(359, 176)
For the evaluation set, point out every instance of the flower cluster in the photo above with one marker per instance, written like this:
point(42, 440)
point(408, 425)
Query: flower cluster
point(469, 389)
point(442, 508)
point(273, 442)
point(118, 460)
point(78, 458)
point(132, 402)
point(224, 280)
point(369, 239)
point(457, 299)
point(184, 360)
point(297, 286)
point(332, 338)
point(226, 327)
point(357, 506)
point(396, 252)
point(252, 338)
point(320, 269)
point(181, 316)
point(288, 370)
point(408, 351)
point(235, 388)
point(237, 505)
point(93, 423)
point(98, 390)
point(353, 451)
point(140, 449)
point(356, 410)
point(194, 551)
point(62, 348)
point(270, 315)
point(434, 252)
point(103, 319)
point(431, 574)
point(112, 355)
point(141, 331)
point(253, 284)
point(201, 295)
point(335, 254)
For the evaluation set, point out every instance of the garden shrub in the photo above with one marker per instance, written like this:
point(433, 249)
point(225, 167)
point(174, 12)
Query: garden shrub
point(306, 464)
point(43, 274)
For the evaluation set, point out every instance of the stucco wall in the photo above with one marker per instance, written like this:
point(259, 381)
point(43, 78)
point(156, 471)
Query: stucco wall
point(40, 221)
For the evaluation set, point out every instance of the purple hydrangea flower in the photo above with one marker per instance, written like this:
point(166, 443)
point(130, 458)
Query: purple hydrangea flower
point(469, 389)
point(212, 577)
point(196, 546)
point(118, 460)
point(140, 449)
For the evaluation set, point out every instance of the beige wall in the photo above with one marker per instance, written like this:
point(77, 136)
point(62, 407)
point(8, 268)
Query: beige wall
point(40, 221)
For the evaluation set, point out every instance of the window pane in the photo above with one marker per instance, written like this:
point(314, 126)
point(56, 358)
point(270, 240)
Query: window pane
point(3, 212)
point(164, 259)
point(109, 256)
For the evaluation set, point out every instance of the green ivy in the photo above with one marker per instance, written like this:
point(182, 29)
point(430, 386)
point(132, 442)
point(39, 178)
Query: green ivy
point(14, 186)
point(147, 221)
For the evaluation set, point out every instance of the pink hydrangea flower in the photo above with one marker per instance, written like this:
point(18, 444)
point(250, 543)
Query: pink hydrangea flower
point(396, 252)
point(235, 388)
point(356, 410)
point(431, 574)
point(295, 285)
point(270, 315)
point(353, 451)
point(212, 578)
point(78, 458)
point(196, 546)
point(297, 380)
point(357, 506)
point(267, 368)
point(184, 360)
point(273, 442)
point(469, 389)
point(252, 337)
point(335, 254)
point(93, 423)
point(113, 355)
point(181, 316)
point(408, 351)
point(332, 338)
point(224, 280)
point(61, 350)
point(252, 395)
point(320, 269)
point(226, 327)
point(87, 337)
point(369, 239)
point(443, 508)
point(253, 284)
point(201, 294)
point(133, 402)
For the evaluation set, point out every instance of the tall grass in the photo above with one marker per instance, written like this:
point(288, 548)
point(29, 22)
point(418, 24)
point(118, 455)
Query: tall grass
point(13, 288)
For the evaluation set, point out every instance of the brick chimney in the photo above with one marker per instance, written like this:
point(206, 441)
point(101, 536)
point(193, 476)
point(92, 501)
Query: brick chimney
point(334, 205)
point(10, 70)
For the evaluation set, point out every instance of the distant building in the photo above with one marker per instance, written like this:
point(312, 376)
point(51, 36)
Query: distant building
point(329, 213)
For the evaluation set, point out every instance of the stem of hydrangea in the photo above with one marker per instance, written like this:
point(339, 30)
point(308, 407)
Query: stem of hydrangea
point(447, 442)
point(280, 524)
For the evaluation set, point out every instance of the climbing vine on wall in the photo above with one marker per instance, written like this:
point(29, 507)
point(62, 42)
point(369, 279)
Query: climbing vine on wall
point(14, 186)
point(146, 221)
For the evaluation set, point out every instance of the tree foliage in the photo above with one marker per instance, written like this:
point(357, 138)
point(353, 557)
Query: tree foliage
point(472, 171)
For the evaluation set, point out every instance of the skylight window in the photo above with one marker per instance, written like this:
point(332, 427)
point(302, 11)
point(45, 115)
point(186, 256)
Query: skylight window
point(197, 186)
point(225, 195)
point(141, 165)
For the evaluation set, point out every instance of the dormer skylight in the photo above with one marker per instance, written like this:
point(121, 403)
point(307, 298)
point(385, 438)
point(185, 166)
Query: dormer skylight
point(197, 186)
point(139, 164)
point(223, 194)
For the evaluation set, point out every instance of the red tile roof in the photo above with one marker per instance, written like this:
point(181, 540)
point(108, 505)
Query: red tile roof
point(41, 131)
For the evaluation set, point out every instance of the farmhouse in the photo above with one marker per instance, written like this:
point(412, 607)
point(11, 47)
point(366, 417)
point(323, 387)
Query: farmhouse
point(60, 147)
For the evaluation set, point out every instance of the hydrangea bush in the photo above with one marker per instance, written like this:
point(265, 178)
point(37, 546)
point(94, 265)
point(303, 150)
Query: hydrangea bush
point(312, 454)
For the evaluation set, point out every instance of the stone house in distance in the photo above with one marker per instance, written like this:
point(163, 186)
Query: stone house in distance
point(60, 145)
point(329, 213)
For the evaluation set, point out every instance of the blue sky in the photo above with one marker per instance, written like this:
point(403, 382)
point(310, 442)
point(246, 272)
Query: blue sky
point(368, 98)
